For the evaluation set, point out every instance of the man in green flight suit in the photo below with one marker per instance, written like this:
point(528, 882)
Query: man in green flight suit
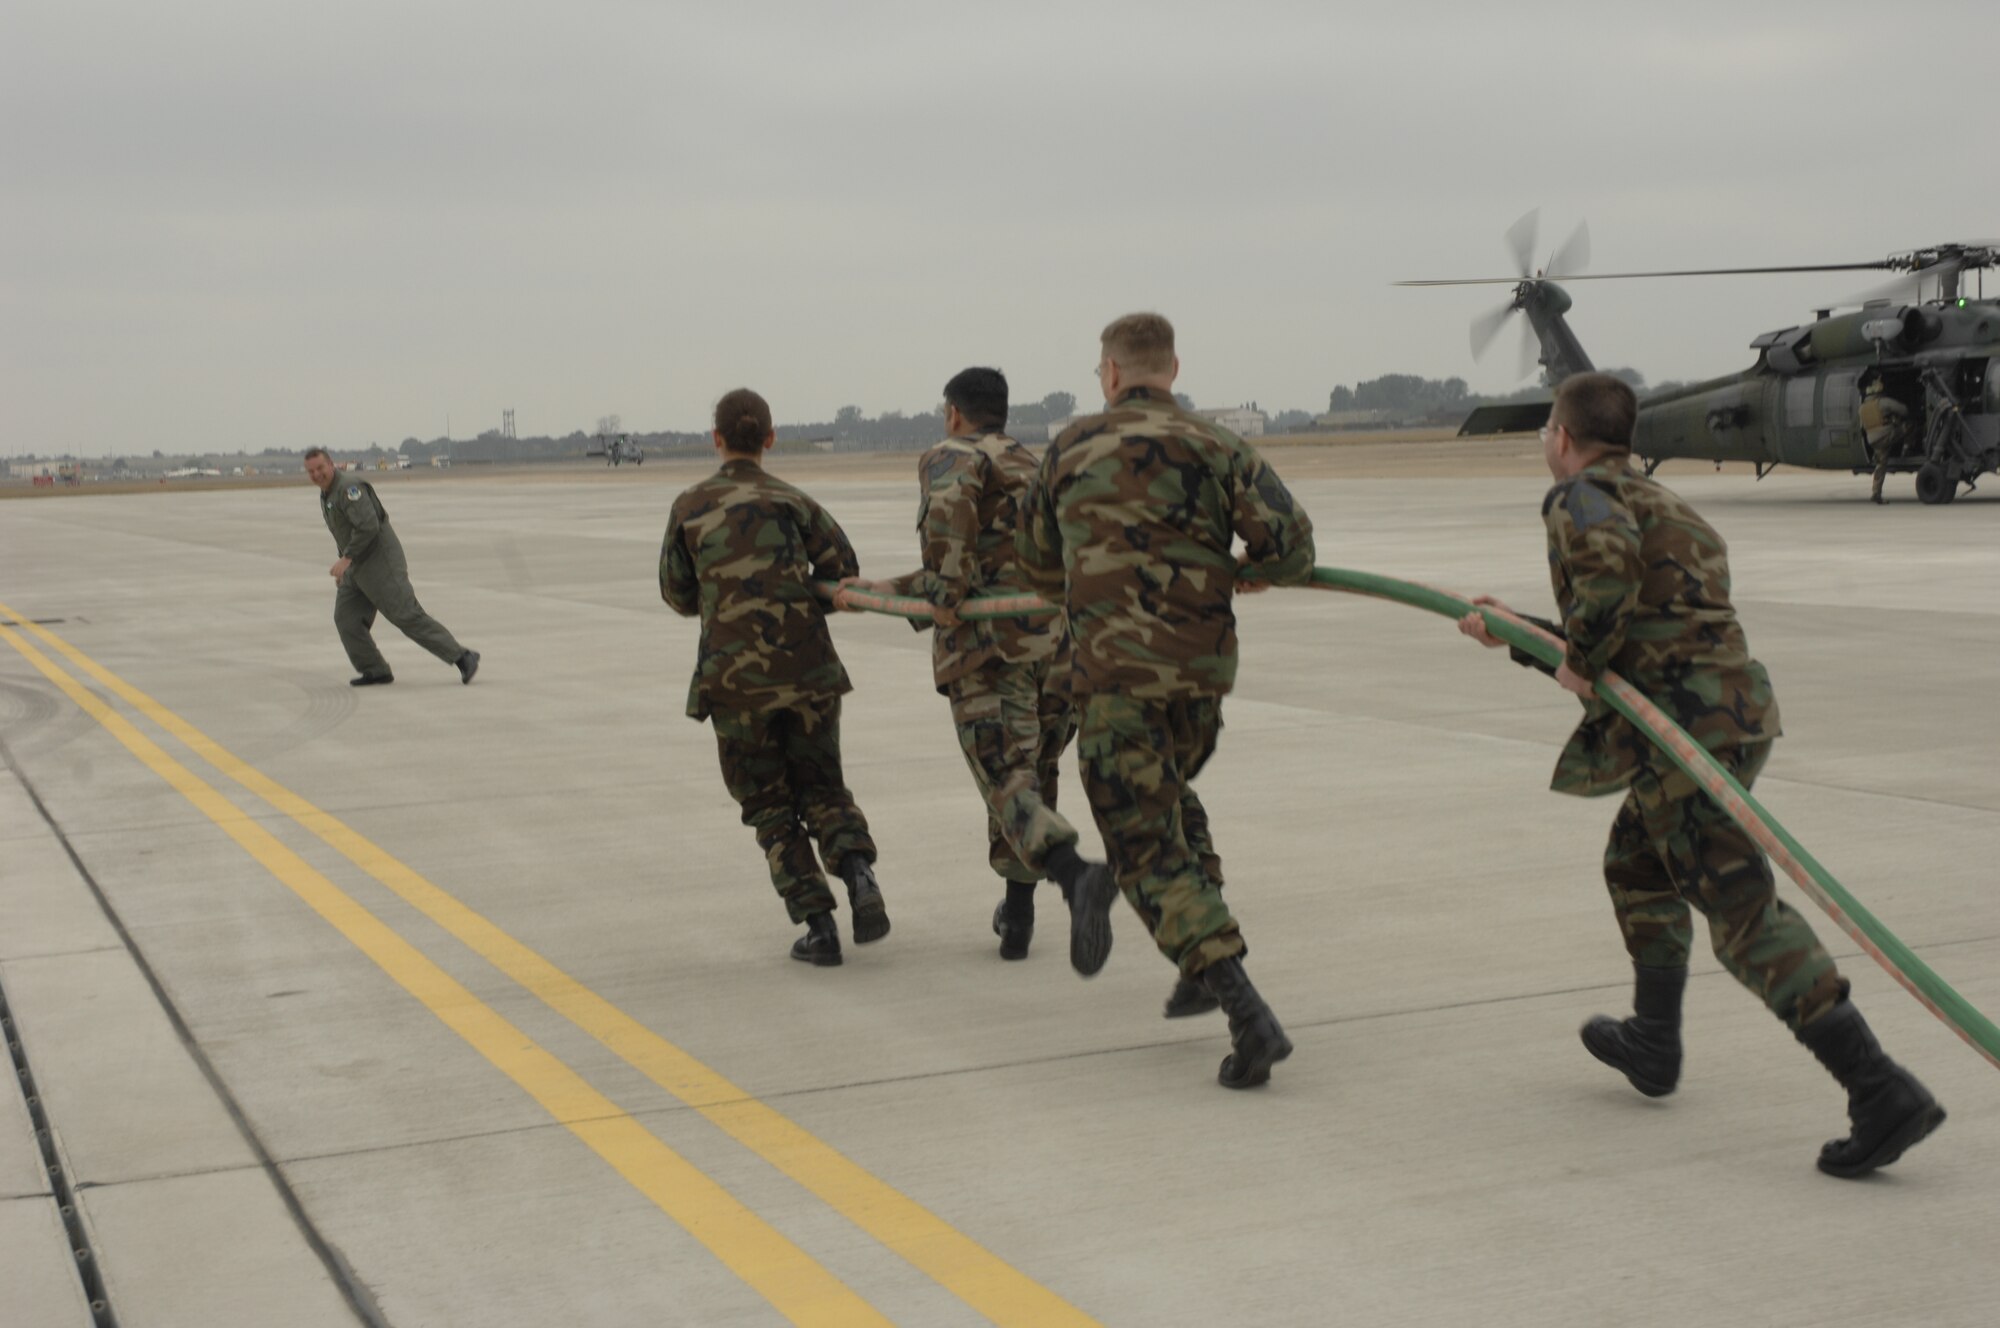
point(1007, 678)
point(1642, 583)
point(371, 575)
point(1130, 526)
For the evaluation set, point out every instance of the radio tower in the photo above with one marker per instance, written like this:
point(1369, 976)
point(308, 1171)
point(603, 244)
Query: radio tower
point(507, 424)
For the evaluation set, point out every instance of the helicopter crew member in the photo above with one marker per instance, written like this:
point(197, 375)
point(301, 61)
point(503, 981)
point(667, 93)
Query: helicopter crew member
point(1007, 678)
point(371, 574)
point(1130, 525)
point(742, 551)
point(1642, 583)
point(1885, 424)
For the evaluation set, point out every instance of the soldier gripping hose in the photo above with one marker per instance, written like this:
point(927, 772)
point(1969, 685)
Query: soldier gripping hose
point(1007, 678)
point(1130, 527)
point(1642, 584)
point(742, 551)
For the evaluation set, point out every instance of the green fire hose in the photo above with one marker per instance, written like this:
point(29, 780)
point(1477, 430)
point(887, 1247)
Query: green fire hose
point(1867, 931)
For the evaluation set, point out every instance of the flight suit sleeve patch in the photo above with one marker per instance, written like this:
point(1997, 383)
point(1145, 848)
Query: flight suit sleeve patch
point(1588, 505)
point(353, 492)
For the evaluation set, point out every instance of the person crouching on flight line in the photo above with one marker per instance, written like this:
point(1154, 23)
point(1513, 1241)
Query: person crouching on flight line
point(1130, 526)
point(1007, 678)
point(742, 551)
point(1642, 583)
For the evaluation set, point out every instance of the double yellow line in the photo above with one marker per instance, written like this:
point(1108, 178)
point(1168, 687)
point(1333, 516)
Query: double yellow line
point(799, 1287)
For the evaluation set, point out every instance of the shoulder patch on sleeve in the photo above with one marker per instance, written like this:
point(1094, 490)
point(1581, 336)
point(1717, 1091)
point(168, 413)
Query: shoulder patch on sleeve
point(1273, 491)
point(939, 466)
point(353, 492)
point(1588, 504)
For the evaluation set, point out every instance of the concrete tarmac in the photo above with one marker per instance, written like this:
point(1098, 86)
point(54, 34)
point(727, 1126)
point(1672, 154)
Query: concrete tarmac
point(444, 1005)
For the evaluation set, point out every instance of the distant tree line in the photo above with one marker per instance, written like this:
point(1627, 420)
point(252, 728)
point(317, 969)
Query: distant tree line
point(1409, 398)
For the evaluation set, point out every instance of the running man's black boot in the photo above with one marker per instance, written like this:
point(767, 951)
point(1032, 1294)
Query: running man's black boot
point(1890, 1111)
point(1646, 1048)
point(871, 915)
point(820, 946)
point(1256, 1041)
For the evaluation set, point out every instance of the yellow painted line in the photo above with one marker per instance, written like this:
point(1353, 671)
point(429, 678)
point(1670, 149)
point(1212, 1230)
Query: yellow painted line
point(797, 1286)
point(948, 1256)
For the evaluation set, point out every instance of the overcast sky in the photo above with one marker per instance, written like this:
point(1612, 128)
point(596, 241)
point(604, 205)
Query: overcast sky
point(250, 223)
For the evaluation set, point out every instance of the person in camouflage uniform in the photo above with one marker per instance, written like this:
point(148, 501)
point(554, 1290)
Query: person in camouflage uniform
point(1642, 584)
point(371, 574)
point(742, 551)
point(1007, 678)
point(1130, 525)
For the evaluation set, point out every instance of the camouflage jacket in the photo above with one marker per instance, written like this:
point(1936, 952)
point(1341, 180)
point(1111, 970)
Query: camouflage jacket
point(1130, 524)
point(742, 550)
point(972, 493)
point(1643, 586)
point(359, 522)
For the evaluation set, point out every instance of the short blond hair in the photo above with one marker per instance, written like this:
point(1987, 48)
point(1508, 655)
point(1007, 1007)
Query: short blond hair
point(1140, 343)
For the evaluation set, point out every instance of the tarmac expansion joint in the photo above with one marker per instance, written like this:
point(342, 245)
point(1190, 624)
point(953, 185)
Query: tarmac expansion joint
point(61, 1190)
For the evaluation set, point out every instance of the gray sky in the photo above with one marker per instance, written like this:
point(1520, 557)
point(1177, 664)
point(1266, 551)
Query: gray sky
point(248, 223)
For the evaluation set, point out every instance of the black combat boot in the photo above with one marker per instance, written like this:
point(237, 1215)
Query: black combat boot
point(1089, 887)
point(467, 665)
point(1646, 1048)
point(1890, 1111)
point(1256, 1041)
point(1014, 919)
point(1189, 997)
point(871, 915)
point(820, 946)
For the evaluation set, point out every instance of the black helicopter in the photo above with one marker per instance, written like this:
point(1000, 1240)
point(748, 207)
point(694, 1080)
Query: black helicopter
point(1800, 403)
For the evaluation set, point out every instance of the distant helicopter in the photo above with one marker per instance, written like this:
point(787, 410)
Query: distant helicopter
point(617, 448)
point(1798, 405)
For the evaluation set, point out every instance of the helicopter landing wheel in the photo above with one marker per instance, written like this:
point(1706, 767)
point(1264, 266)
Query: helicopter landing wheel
point(1935, 486)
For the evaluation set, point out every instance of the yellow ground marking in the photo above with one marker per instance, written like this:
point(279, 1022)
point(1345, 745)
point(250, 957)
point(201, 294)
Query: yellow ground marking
point(797, 1286)
point(949, 1257)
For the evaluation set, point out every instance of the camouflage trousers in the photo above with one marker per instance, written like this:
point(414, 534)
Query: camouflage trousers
point(1671, 848)
point(1139, 760)
point(382, 583)
point(1013, 730)
point(783, 768)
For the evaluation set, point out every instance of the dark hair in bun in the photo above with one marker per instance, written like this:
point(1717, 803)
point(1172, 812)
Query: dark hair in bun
point(744, 420)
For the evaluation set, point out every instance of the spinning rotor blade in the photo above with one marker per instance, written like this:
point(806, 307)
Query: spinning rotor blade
point(1691, 272)
point(1487, 326)
point(1574, 255)
point(1528, 356)
point(1521, 240)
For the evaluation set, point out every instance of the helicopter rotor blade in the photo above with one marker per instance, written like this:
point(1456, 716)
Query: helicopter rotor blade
point(1574, 254)
point(1529, 354)
point(1487, 326)
point(1521, 241)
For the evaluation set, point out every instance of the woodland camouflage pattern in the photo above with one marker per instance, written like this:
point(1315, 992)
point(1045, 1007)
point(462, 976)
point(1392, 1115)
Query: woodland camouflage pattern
point(1138, 760)
point(1129, 525)
point(973, 488)
point(783, 769)
point(1007, 678)
point(1672, 846)
point(743, 549)
point(1013, 725)
point(1643, 586)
